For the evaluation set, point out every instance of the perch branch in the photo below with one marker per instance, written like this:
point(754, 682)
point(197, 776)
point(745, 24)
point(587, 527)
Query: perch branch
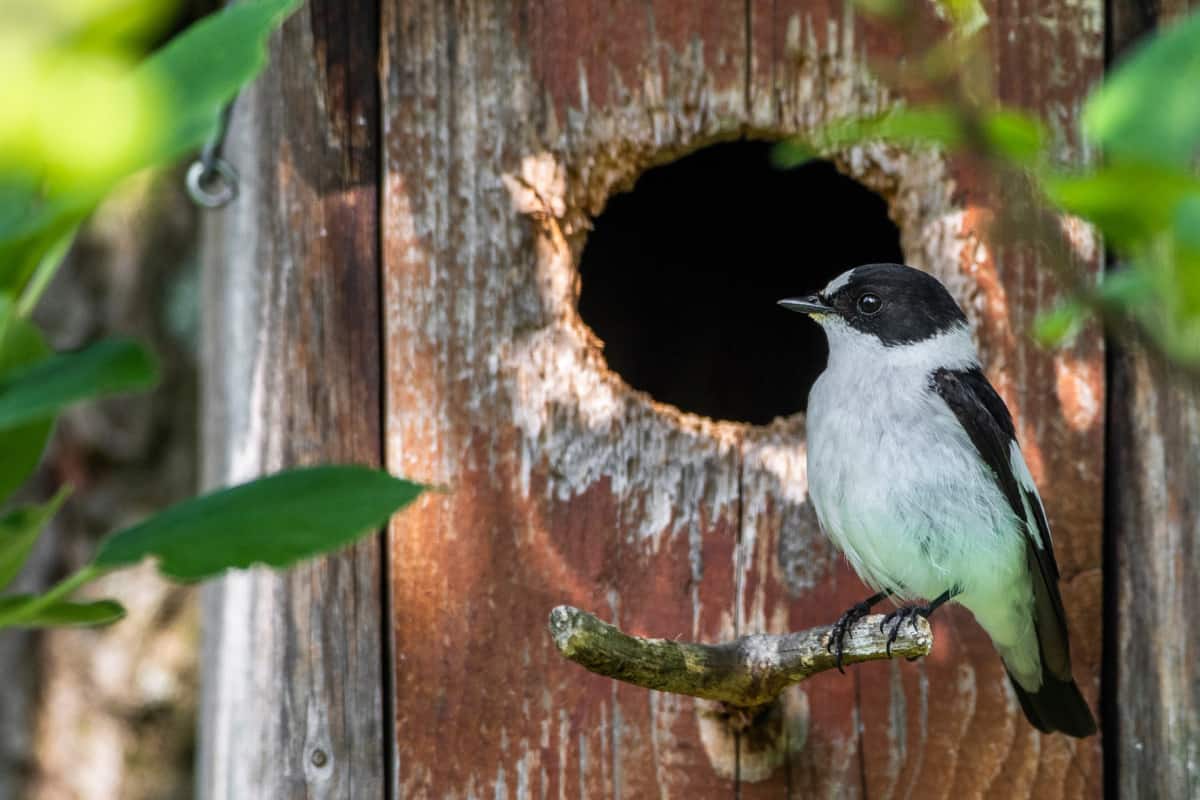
point(747, 672)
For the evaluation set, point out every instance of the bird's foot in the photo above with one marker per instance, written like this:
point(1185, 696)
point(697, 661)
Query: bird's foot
point(896, 619)
point(837, 636)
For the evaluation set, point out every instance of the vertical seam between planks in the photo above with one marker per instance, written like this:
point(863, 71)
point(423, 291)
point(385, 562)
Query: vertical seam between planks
point(787, 757)
point(387, 645)
point(1118, 362)
point(858, 731)
point(739, 565)
point(748, 72)
point(739, 585)
point(1112, 509)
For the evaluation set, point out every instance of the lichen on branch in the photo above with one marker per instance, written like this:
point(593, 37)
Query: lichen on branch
point(747, 672)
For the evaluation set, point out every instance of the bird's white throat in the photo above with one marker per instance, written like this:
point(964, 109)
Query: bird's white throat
point(850, 348)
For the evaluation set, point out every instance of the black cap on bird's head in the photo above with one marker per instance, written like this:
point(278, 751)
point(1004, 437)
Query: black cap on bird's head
point(897, 304)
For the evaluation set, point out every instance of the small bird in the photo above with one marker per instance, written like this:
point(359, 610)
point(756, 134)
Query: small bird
point(915, 473)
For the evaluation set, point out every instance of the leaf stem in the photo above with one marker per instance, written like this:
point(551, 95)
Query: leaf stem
point(46, 269)
point(59, 591)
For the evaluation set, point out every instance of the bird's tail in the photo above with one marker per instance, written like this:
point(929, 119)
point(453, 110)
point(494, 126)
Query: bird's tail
point(1054, 702)
point(1057, 705)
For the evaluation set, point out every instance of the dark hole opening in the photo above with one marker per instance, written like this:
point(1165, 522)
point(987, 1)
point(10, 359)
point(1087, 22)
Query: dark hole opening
point(681, 274)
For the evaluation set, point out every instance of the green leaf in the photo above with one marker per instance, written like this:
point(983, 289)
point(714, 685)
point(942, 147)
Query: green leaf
point(1147, 109)
point(1055, 327)
point(1005, 132)
point(794, 152)
point(203, 68)
point(58, 614)
point(968, 16)
point(39, 391)
point(21, 344)
point(23, 448)
point(18, 194)
point(1125, 288)
point(19, 529)
point(33, 284)
point(1130, 203)
point(191, 78)
point(1186, 224)
point(276, 520)
point(885, 9)
point(1165, 297)
point(1014, 134)
point(47, 229)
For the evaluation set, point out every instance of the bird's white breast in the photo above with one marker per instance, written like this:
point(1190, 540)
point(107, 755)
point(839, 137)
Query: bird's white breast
point(895, 480)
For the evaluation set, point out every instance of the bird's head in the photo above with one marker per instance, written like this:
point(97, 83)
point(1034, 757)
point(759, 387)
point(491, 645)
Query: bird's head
point(891, 303)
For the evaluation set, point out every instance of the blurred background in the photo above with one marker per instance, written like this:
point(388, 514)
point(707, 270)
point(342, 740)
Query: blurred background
point(111, 712)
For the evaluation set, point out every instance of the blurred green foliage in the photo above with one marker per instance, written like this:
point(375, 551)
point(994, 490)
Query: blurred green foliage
point(81, 109)
point(1143, 195)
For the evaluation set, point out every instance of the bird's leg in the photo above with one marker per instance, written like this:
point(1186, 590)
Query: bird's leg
point(897, 617)
point(853, 614)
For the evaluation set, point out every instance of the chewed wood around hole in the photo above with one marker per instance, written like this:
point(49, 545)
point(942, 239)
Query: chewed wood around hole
point(647, 474)
point(679, 276)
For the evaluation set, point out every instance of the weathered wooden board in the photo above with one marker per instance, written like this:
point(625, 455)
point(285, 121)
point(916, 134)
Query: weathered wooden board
point(564, 486)
point(294, 692)
point(505, 128)
point(1154, 522)
point(1152, 689)
point(949, 726)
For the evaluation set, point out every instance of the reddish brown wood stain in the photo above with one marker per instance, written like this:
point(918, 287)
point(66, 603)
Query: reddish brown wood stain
point(563, 486)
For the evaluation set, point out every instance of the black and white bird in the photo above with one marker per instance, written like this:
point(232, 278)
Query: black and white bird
point(915, 473)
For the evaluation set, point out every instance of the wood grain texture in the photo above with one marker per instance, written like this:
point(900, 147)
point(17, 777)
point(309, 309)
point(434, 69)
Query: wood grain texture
point(505, 128)
point(496, 390)
point(1152, 688)
point(294, 698)
point(1154, 524)
point(949, 726)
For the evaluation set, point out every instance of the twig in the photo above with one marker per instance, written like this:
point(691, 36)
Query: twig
point(747, 672)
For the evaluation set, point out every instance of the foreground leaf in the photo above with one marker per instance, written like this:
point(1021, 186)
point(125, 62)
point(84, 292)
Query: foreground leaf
point(203, 68)
point(1003, 131)
point(19, 529)
point(21, 344)
point(276, 520)
point(1130, 203)
point(1125, 287)
point(191, 78)
point(61, 613)
point(1146, 109)
point(1053, 328)
point(41, 390)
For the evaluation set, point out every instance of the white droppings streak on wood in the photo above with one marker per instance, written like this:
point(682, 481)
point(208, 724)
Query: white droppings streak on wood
point(1082, 238)
point(246, 456)
point(586, 425)
point(1076, 384)
point(897, 731)
point(828, 79)
point(482, 282)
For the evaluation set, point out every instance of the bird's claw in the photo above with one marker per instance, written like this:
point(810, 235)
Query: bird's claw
point(837, 635)
point(897, 617)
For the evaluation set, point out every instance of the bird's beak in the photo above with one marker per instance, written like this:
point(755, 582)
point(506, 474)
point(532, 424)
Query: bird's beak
point(811, 305)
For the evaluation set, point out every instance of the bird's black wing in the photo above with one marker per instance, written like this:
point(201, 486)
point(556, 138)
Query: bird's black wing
point(1054, 704)
point(987, 422)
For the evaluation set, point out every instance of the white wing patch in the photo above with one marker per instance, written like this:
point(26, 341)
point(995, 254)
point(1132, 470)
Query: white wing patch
point(1025, 479)
point(837, 283)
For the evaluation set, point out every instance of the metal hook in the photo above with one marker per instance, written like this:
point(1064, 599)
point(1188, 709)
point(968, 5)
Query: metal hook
point(211, 185)
point(211, 180)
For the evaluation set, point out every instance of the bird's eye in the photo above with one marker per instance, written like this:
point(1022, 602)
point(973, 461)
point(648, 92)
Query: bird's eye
point(869, 304)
